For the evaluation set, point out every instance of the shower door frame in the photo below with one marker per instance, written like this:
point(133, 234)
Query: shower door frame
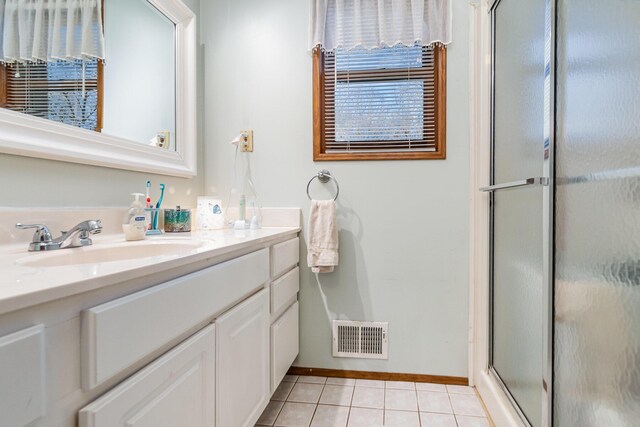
point(496, 395)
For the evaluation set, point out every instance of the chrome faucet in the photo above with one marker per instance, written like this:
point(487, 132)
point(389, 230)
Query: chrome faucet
point(76, 237)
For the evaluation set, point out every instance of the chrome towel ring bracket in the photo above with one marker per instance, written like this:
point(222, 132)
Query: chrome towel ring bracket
point(324, 176)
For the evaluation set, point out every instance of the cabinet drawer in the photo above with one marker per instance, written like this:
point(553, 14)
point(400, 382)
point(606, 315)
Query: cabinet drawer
point(284, 290)
point(120, 333)
point(284, 256)
point(22, 376)
point(175, 390)
point(284, 344)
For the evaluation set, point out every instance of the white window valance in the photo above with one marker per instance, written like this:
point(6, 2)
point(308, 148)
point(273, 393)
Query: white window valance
point(51, 30)
point(369, 24)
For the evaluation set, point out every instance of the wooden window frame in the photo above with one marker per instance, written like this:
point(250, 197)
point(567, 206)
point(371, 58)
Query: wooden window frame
point(319, 146)
point(3, 86)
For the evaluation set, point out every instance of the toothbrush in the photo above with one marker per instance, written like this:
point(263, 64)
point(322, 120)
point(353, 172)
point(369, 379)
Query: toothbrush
point(148, 199)
point(155, 214)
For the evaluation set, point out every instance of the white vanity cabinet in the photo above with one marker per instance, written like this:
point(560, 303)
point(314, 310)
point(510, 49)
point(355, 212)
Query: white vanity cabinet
point(121, 332)
point(175, 390)
point(285, 276)
point(22, 376)
point(203, 347)
point(242, 362)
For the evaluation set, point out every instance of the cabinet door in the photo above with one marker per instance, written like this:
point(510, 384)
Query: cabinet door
point(242, 362)
point(175, 390)
point(285, 344)
point(22, 377)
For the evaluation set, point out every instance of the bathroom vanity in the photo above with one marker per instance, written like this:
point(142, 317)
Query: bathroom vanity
point(198, 334)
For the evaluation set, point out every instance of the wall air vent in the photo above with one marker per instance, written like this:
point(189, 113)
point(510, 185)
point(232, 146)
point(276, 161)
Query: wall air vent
point(360, 340)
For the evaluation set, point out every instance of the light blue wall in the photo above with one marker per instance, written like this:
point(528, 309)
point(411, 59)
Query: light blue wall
point(403, 224)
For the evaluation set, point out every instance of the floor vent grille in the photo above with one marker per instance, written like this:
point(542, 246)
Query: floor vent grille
point(361, 340)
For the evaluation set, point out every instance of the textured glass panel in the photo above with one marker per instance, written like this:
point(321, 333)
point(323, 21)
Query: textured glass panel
point(519, 89)
point(517, 214)
point(597, 288)
point(517, 296)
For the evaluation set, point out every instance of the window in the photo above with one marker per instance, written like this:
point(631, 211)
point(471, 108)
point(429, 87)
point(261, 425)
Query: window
point(67, 91)
point(46, 78)
point(380, 104)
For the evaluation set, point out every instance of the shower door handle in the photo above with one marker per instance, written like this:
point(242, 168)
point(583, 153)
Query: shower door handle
point(541, 180)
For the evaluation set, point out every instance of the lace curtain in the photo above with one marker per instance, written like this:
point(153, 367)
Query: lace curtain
point(368, 24)
point(51, 30)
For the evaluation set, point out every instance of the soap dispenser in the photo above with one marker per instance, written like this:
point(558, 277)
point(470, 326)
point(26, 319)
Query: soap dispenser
point(135, 222)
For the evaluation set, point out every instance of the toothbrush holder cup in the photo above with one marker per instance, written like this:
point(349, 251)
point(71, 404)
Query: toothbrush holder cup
point(156, 221)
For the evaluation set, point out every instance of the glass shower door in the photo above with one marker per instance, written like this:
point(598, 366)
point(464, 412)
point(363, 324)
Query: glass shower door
point(518, 193)
point(597, 288)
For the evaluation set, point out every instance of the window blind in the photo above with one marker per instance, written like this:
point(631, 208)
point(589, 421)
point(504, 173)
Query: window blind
point(65, 91)
point(380, 100)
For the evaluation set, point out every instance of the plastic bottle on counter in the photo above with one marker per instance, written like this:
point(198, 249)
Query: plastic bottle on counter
point(135, 222)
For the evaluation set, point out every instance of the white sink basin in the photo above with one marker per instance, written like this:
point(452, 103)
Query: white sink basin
point(108, 253)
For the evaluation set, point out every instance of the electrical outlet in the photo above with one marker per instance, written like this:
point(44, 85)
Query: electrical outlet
point(246, 146)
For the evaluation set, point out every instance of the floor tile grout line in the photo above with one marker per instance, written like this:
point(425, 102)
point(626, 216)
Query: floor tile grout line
point(318, 402)
point(353, 392)
point(348, 416)
point(417, 404)
point(278, 414)
point(452, 410)
point(313, 415)
point(286, 399)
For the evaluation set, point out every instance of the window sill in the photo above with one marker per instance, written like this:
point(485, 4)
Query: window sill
point(434, 155)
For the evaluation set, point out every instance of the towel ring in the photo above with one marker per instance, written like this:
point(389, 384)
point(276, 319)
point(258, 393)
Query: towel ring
point(324, 176)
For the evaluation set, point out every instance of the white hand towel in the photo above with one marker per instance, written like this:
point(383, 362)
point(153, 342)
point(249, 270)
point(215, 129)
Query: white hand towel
point(322, 236)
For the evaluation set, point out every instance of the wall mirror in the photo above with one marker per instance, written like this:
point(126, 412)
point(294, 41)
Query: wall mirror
point(102, 82)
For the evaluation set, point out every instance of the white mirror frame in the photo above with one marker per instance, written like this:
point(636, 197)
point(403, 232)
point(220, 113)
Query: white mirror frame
point(30, 136)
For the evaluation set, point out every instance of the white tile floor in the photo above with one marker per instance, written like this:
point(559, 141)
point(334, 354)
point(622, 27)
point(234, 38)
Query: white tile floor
point(343, 402)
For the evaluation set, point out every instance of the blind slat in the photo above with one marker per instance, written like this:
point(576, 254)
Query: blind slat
point(380, 100)
point(65, 92)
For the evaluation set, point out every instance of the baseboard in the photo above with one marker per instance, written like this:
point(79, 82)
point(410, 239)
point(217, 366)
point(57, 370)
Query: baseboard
point(386, 376)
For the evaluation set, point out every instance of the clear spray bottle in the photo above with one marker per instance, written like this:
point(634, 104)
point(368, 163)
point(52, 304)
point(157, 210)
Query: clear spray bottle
point(248, 196)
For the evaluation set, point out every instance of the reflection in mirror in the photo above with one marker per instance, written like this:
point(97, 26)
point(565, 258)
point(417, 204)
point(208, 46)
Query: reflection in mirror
point(47, 138)
point(52, 53)
point(102, 65)
point(139, 72)
point(62, 91)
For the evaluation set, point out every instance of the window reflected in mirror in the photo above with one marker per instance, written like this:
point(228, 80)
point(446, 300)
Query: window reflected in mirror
point(68, 92)
point(102, 65)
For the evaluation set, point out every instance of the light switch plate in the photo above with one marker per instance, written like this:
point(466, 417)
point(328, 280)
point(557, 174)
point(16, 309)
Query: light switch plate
point(163, 139)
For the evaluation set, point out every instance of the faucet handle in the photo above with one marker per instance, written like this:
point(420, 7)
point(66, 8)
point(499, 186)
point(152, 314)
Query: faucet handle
point(41, 235)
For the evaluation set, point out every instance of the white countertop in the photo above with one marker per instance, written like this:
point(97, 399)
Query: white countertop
point(24, 283)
